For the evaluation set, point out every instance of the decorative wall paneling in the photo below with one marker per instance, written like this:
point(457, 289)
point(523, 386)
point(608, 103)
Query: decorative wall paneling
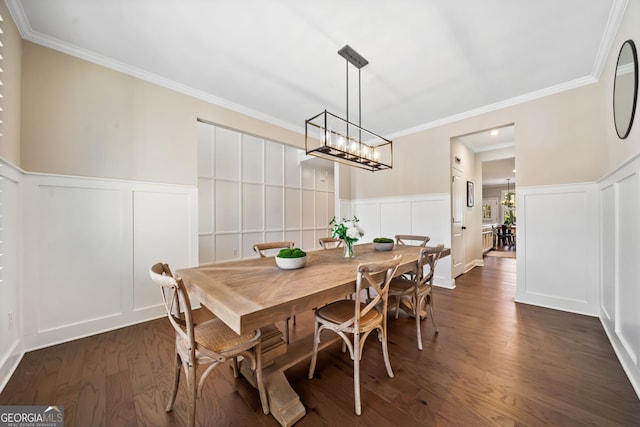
point(88, 246)
point(422, 215)
point(11, 343)
point(558, 247)
point(620, 260)
point(253, 190)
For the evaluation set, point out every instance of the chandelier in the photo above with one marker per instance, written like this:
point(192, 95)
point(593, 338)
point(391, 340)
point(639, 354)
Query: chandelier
point(331, 137)
point(509, 201)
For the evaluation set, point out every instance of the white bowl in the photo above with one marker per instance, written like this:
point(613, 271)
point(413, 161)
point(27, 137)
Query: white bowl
point(383, 246)
point(291, 263)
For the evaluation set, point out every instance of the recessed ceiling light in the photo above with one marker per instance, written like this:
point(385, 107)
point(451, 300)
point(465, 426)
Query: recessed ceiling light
point(494, 132)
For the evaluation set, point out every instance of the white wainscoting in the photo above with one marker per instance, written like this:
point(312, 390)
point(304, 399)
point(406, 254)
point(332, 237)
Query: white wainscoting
point(558, 247)
point(88, 246)
point(422, 215)
point(11, 343)
point(620, 274)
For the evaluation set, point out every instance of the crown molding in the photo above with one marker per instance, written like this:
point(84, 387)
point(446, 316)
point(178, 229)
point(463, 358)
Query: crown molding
point(27, 33)
point(573, 84)
point(606, 43)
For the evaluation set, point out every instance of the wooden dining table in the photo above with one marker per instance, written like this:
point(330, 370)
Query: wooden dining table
point(254, 293)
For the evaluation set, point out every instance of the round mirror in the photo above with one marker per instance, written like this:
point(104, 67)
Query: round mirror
point(625, 88)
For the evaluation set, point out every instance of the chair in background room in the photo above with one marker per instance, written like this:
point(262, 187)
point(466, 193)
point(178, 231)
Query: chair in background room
point(330, 243)
point(207, 344)
point(263, 249)
point(358, 319)
point(416, 293)
point(504, 235)
point(511, 232)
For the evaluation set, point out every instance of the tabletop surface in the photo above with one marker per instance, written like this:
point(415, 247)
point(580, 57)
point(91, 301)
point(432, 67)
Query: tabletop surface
point(251, 293)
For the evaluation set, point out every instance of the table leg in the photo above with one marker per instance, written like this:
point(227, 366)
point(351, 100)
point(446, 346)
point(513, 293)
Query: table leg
point(284, 402)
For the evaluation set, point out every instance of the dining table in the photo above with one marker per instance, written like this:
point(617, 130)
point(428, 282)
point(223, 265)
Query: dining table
point(255, 293)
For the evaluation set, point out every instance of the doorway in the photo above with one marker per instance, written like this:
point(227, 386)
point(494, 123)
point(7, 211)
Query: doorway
point(485, 160)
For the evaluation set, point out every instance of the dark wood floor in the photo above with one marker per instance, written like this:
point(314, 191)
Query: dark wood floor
point(494, 362)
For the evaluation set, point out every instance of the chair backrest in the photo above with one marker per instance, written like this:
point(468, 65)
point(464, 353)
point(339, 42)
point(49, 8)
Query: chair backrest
point(175, 297)
point(410, 240)
point(366, 278)
point(263, 248)
point(429, 256)
point(330, 242)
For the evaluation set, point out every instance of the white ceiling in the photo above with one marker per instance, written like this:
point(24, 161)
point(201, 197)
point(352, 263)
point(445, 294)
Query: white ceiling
point(430, 61)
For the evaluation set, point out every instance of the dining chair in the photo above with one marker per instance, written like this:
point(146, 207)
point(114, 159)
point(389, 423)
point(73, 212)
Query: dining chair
point(207, 344)
point(511, 231)
point(264, 250)
point(411, 240)
point(358, 319)
point(504, 235)
point(330, 243)
point(417, 292)
point(271, 248)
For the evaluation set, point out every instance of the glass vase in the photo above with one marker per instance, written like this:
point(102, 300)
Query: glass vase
point(348, 250)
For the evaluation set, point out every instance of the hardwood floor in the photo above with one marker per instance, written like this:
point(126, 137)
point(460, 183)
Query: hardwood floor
point(494, 362)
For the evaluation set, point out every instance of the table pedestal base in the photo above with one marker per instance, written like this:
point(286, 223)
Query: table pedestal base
point(284, 402)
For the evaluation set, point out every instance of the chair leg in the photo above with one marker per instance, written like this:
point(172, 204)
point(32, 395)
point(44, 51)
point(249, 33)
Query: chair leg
point(418, 330)
point(263, 393)
point(433, 319)
point(314, 355)
point(176, 382)
point(385, 352)
point(286, 330)
point(193, 388)
point(356, 373)
point(234, 365)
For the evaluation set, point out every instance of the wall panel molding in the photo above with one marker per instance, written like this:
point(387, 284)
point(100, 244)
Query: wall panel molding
point(620, 252)
point(264, 193)
point(88, 246)
point(11, 341)
point(418, 214)
point(558, 255)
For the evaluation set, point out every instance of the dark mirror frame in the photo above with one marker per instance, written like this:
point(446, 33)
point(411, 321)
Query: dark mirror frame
point(624, 132)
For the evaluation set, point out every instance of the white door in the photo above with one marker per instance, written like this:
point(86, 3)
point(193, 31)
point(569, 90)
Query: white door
point(458, 195)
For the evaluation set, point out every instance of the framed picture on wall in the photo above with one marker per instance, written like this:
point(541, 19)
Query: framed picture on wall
point(469, 194)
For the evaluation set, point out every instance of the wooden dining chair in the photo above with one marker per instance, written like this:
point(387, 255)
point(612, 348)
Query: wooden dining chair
point(271, 248)
point(207, 344)
point(411, 240)
point(330, 243)
point(264, 250)
point(358, 319)
point(417, 293)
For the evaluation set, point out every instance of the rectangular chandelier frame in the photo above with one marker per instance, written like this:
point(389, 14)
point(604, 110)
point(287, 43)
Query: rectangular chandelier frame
point(333, 138)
